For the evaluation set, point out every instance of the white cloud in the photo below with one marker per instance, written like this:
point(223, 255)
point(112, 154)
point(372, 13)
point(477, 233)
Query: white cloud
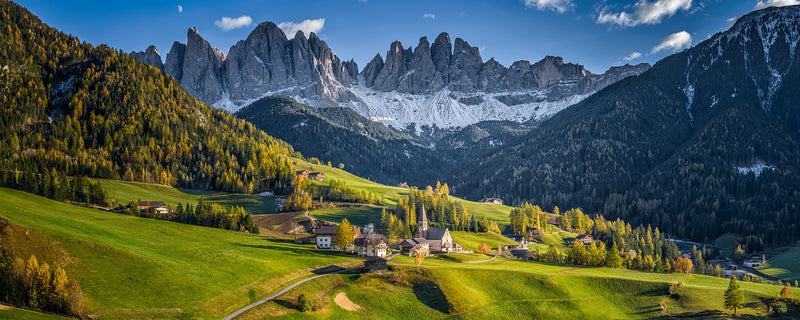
point(559, 6)
point(307, 26)
point(645, 12)
point(775, 3)
point(180, 8)
point(233, 23)
point(634, 55)
point(674, 42)
point(729, 23)
point(429, 16)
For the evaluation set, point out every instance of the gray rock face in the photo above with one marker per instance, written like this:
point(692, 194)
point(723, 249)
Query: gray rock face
point(149, 56)
point(465, 66)
point(441, 52)
point(174, 63)
point(198, 68)
point(433, 68)
point(266, 62)
point(372, 70)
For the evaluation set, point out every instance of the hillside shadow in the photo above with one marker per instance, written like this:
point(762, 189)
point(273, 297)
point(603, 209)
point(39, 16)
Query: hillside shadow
point(709, 314)
point(432, 296)
point(299, 251)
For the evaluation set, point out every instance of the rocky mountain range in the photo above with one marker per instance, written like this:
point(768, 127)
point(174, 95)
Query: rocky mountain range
point(442, 85)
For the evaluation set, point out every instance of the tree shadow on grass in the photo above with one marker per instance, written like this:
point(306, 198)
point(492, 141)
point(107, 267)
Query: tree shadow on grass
point(432, 296)
point(285, 303)
point(711, 315)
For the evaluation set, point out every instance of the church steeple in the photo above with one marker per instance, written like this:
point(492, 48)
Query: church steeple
point(422, 224)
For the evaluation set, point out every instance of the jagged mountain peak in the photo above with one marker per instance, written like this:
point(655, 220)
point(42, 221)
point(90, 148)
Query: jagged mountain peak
point(445, 83)
point(149, 56)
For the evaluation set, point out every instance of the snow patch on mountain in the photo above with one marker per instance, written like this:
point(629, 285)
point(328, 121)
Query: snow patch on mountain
point(757, 168)
point(447, 109)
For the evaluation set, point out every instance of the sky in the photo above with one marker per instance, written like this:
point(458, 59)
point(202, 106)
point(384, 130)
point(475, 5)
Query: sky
point(597, 34)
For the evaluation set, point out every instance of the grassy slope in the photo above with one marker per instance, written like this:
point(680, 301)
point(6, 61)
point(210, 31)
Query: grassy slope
point(498, 213)
point(359, 216)
point(20, 314)
point(785, 266)
point(555, 238)
point(471, 241)
point(127, 191)
point(506, 289)
point(135, 267)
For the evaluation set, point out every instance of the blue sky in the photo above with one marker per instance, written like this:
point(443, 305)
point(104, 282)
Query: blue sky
point(597, 34)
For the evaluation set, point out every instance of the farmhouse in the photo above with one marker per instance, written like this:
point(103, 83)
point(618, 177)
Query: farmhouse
point(371, 245)
point(302, 174)
point(492, 200)
point(326, 236)
point(436, 239)
point(319, 176)
point(407, 245)
point(159, 207)
point(585, 238)
point(754, 262)
point(375, 265)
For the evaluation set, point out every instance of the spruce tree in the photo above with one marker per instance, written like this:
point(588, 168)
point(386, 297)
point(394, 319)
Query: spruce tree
point(734, 297)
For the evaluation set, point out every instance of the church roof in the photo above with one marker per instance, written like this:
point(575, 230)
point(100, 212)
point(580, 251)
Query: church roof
point(436, 233)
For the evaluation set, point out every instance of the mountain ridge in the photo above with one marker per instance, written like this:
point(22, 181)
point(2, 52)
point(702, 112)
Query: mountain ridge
point(441, 84)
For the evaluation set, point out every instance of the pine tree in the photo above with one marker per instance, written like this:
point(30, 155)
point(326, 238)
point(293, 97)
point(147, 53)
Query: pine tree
point(734, 297)
point(613, 259)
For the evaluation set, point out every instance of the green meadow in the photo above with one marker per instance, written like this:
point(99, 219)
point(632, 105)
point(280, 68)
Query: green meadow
point(134, 191)
point(785, 266)
point(389, 194)
point(131, 267)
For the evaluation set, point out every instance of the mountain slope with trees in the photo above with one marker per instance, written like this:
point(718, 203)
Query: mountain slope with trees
point(93, 111)
point(340, 135)
point(706, 142)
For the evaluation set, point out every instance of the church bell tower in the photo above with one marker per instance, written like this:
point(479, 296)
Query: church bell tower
point(422, 224)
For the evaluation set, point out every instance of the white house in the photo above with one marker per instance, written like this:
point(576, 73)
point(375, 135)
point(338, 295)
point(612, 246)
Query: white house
point(371, 245)
point(325, 236)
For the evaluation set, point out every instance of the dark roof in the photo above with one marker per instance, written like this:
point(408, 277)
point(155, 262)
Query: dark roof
point(316, 174)
point(375, 263)
point(326, 230)
point(436, 233)
point(152, 204)
point(420, 240)
point(369, 239)
point(585, 235)
point(410, 242)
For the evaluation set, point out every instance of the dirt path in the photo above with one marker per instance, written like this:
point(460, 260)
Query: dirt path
point(480, 261)
point(343, 301)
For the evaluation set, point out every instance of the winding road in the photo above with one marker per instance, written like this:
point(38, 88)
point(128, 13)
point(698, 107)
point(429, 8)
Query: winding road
point(289, 287)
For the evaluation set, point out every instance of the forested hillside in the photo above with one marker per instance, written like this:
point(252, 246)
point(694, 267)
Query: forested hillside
point(706, 142)
point(93, 111)
point(340, 135)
